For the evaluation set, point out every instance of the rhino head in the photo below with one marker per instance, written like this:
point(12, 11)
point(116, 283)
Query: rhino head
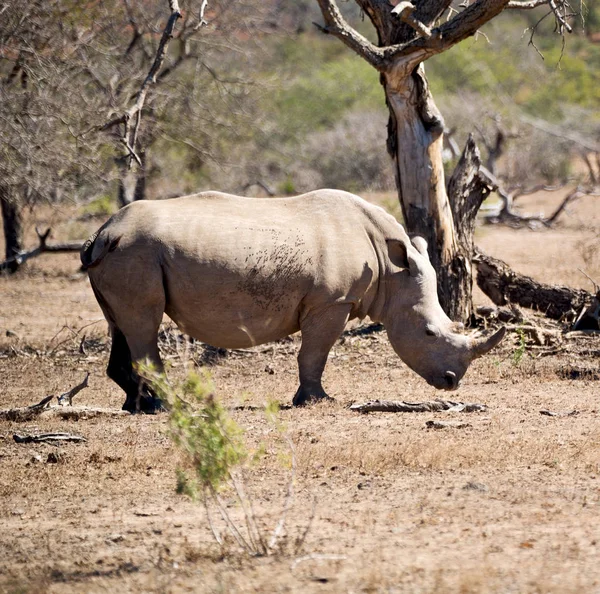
point(420, 332)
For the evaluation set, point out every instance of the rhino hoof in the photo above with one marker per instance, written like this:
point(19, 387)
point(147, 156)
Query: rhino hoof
point(303, 398)
point(146, 405)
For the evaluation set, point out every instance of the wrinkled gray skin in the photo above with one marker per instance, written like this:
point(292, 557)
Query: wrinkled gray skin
point(235, 272)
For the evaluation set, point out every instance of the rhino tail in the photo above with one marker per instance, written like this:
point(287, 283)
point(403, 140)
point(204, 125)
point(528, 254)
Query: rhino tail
point(87, 260)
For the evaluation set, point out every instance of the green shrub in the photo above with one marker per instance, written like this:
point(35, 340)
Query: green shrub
point(214, 455)
point(101, 206)
point(210, 440)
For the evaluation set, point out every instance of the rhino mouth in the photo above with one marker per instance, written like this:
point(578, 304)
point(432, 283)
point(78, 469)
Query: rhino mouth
point(449, 382)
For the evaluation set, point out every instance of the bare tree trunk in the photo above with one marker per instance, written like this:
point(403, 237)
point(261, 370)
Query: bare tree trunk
point(415, 142)
point(13, 226)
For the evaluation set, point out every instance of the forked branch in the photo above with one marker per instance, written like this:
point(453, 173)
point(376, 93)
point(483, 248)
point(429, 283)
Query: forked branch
point(463, 25)
point(336, 25)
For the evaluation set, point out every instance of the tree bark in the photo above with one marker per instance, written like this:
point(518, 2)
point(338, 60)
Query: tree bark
point(13, 226)
point(445, 218)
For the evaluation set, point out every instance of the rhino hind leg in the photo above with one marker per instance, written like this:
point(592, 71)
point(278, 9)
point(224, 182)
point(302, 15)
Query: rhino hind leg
point(134, 304)
point(140, 398)
point(320, 329)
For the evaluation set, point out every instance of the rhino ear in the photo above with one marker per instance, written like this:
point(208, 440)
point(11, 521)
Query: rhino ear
point(397, 252)
point(402, 255)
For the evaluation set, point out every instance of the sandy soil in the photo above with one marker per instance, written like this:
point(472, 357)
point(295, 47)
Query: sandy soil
point(508, 503)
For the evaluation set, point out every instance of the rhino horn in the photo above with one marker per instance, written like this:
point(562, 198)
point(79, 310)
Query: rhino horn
point(480, 346)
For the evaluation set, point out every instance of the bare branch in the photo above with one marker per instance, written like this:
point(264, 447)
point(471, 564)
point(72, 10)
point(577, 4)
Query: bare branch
point(523, 5)
point(201, 21)
point(21, 258)
point(404, 11)
point(130, 136)
point(66, 399)
point(336, 25)
point(463, 25)
point(507, 216)
point(560, 14)
point(130, 150)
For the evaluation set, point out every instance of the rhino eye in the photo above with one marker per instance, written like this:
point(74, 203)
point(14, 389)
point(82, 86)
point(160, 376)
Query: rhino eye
point(431, 330)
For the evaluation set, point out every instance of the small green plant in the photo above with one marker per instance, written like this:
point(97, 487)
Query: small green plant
point(206, 434)
point(521, 348)
point(215, 454)
point(102, 206)
point(288, 187)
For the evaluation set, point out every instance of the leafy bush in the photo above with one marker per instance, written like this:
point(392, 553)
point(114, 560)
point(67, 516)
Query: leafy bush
point(209, 438)
point(101, 206)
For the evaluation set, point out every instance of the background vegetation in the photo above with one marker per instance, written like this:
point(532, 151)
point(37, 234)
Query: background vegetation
point(267, 98)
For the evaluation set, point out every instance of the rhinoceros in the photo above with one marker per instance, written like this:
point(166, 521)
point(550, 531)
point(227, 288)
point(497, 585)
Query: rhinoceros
point(236, 272)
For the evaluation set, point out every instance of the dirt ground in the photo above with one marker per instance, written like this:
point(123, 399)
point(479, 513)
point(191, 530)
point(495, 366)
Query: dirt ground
point(510, 502)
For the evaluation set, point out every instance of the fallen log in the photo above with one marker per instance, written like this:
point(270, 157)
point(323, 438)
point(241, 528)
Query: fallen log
point(402, 406)
point(503, 285)
point(25, 413)
point(64, 413)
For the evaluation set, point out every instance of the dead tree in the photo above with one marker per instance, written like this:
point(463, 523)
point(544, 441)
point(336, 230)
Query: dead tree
point(503, 286)
point(506, 214)
point(407, 36)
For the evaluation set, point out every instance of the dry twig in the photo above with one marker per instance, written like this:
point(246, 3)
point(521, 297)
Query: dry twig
point(446, 425)
point(549, 413)
point(48, 437)
point(66, 399)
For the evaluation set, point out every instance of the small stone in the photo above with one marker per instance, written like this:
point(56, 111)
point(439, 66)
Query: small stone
point(473, 486)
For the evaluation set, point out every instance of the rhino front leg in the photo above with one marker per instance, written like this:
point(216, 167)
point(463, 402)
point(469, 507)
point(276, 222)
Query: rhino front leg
point(320, 329)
